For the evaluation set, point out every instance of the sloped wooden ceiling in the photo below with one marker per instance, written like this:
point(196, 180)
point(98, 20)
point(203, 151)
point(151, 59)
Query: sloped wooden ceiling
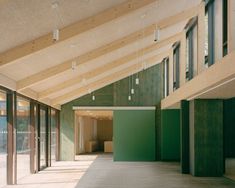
point(107, 40)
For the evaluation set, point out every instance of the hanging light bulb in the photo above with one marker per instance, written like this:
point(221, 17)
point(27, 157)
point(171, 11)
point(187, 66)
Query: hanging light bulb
point(156, 34)
point(93, 97)
point(74, 64)
point(56, 34)
point(129, 98)
point(132, 91)
point(137, 81)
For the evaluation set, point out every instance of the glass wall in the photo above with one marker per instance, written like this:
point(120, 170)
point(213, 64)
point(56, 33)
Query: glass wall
point(32, 133)
point(3, 139)
point(42, 135)
point(53, 136)
point(23, 137)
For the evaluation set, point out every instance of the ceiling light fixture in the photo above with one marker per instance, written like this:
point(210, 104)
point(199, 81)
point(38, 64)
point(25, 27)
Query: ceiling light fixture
point(74, 65)
point(56, 34)
point(129, 85)
point(93, 97)
point(132, 86)
point(156, 34)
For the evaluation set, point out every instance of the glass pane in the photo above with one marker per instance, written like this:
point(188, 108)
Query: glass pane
point(206, 39)
point(53, 136)
point(23, 138)
point(3, 140)
point(42, 138)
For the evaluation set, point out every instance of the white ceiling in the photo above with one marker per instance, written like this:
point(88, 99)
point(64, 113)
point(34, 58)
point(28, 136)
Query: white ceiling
point(24, 20)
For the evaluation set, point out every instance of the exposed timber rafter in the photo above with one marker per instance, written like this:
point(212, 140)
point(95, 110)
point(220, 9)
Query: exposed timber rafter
point(110, 66)
point(108, 79)
point(72, 30)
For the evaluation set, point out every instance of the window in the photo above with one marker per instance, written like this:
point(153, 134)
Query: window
point(166, 77)
point(176, 59)
point(23, 137)
point(191, 49)
point(3, 140)
point(209, 33)
point(225, 27)
point(53, 135)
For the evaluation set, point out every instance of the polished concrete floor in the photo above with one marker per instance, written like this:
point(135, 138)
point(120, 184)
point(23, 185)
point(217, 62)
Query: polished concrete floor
point(99, 171)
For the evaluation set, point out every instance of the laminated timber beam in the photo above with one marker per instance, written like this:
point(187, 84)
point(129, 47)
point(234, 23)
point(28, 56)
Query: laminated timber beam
point(108, 67)
point(109, 79)
point(119, 43)
point(72, 30)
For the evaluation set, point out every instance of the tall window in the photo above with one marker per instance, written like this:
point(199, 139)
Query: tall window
point(225, 27)
point(176, 61)
point(166, 77)
point(209, 33)
point(191, 49)
point(23, 137)
point(3, 139)
point(53, 136)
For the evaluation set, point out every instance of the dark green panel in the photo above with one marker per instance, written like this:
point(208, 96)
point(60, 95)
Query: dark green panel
point(170, 135)
point(158, 132)
point(147, 93)
point(104, 97)
point(229, 128)
point(134, 135)
point(184, 136)
point(208, 137)
point(67, 133)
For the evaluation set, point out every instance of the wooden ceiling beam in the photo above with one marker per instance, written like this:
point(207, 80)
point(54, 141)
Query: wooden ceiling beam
point(108, 80)
point(109, 66)
point(43, 75)
point(72, 30)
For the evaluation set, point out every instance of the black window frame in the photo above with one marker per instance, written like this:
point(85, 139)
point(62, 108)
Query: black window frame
point(190, 36)
point(166, 77)
point(209, 9)
point(225, 27)
point(176, 66)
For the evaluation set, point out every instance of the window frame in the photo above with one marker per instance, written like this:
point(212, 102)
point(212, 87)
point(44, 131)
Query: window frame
point(176, 66)
point(209, 9)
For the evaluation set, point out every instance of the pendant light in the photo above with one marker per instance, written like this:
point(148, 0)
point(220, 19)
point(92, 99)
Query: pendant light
point(156, 34)
point(74, 65)
point(56, 34)
point(129, 95)
point(93, 96)
point(132, 86)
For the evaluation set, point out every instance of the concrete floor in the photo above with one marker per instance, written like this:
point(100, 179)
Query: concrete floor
point(99, 171)
point(230, 168)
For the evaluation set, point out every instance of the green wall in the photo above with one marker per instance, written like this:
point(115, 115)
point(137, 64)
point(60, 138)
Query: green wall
point(184, 136)
point(148, 93)
point(206, 120)
point(170, 135)
point(229, 128)
point(134, 135)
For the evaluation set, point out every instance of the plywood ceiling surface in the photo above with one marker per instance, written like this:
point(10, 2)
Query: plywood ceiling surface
point(32, 19)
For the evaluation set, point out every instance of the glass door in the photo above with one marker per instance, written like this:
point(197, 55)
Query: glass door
point(42, 139)
point(3, 140)
point(53, 136)
point(23, 137)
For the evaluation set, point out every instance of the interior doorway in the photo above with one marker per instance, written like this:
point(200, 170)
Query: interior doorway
point(93, 131)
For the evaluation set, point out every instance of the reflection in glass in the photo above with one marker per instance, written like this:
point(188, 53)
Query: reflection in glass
point(53, 136)
point(23, 138)
point(3, 139)
point(42, 138)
